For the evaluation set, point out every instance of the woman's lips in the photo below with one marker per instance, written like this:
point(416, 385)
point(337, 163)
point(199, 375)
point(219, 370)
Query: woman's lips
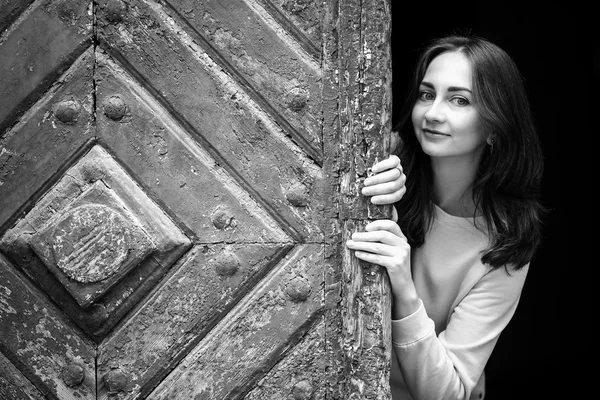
point(434, 132)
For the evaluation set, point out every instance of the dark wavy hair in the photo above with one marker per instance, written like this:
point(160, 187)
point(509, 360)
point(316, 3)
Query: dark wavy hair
point(507, 187)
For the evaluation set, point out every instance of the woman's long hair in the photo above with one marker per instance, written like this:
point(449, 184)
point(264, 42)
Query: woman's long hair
point(507, 187)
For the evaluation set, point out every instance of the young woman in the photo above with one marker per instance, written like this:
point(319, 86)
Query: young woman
point(466, 188)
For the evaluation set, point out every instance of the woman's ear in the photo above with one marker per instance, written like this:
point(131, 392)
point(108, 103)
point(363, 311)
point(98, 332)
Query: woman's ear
point(490, 139)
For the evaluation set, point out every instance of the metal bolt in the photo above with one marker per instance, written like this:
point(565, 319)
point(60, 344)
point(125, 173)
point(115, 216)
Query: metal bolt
point(227, 264)
point(297, 99)
point(115, 9)
point(302, 390)
point(73, 375)
point(115, 108)
point(67, 111)
point(222, 219)
point(298, 288)
point(115, 381)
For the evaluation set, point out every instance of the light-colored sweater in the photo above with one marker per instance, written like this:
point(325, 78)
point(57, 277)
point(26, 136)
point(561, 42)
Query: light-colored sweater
point(440, 351)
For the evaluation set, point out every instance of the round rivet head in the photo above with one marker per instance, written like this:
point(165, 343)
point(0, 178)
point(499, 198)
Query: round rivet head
point(227, 264)
point(73, 375)
point(67, 111)
point(222, 219)
point(298, 289)
point(115, 108)
point(115, 10)
point(115, 381)
point(302, 390)
point(297, 99)
point(297, 196)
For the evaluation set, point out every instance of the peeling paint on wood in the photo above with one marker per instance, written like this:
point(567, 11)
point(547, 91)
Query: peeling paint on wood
point(41, 45)
point(357, 106)
point(35, 335)
point(180, 181)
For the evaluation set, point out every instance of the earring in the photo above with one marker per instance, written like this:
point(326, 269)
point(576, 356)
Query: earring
point(492, 141)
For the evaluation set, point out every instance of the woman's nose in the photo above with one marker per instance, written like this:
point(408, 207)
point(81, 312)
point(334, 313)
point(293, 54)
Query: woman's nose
point(435, 113)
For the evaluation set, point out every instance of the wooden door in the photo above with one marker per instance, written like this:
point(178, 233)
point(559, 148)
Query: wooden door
point(177, 180)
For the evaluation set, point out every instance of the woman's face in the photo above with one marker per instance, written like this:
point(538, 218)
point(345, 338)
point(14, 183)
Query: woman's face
point(446, 121)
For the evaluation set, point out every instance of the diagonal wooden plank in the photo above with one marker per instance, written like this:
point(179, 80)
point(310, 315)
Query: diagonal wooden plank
point(300, 373)
point(173, 167)
point(301, 19)
point(37, 49)
point(11, 9)
point(41, 342)
point(269, 62)
point(243, 347)
point(49, 136)
point(211, 106)
point(179, 313)
point(14, 385)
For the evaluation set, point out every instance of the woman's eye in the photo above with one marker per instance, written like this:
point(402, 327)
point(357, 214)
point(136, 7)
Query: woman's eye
point(426, 96)
point(460, 101)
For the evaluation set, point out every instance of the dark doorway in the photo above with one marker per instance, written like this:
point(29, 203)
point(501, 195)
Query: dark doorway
point(540, 353)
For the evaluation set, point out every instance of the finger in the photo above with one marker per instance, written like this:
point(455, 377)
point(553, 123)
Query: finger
point(370, 247)
point(391, 162)
point(385, 225)
point(391, 238)
point(389, 198)
point(394, 214)
point(378, 259)
point(390, 176)
point(382, 188)
point(382, 225)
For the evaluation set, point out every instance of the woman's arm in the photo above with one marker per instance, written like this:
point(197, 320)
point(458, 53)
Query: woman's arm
point(449, 365)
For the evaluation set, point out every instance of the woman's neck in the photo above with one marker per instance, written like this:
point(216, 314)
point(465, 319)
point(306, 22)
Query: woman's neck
point(452, 185)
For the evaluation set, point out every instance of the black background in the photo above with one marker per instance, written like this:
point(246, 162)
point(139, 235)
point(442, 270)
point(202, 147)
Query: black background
point(542, 353)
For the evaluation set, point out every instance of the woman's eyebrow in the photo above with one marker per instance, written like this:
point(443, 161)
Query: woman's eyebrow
point(450, 88)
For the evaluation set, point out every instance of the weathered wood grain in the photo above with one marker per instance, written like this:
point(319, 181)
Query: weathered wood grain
point(357, 106)
point(174, 168)
point(35, 335)
point(49, 137)
point(37, 49)
point(179, 313)
point(217, 111)
point(13, 385)
point(247, 126)
point(244, 346)
point(276, 70)
point(11, 9)
point(299, 375)
point(302, 19)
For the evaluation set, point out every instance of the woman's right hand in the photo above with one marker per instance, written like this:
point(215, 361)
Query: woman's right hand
point(387, 184)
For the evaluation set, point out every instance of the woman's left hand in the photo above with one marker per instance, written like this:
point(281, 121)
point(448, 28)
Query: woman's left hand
point(384, 244)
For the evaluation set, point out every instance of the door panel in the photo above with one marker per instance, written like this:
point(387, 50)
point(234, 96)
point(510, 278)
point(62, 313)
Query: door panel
point(176, 182)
